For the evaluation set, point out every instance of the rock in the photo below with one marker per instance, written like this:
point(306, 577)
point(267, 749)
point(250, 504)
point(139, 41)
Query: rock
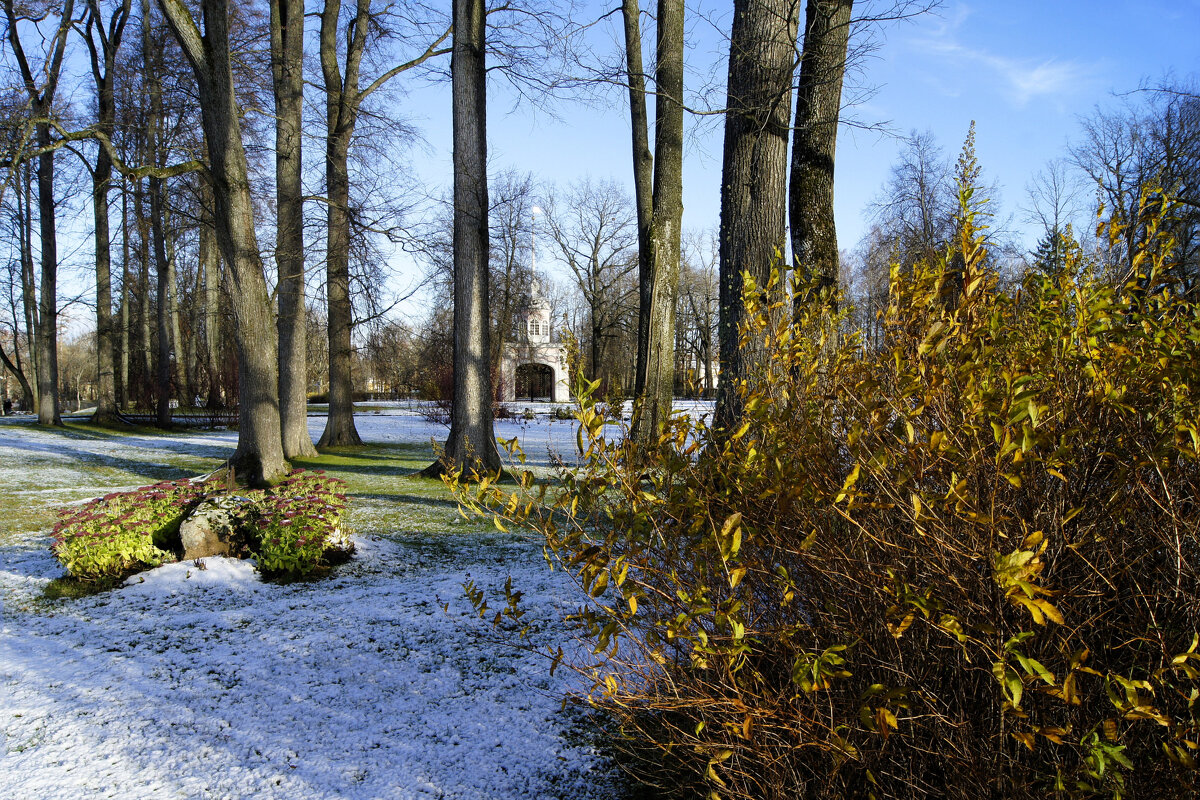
point(209, 530)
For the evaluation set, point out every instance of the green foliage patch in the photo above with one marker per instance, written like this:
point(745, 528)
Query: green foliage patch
point(293, 530)
point(122, 532)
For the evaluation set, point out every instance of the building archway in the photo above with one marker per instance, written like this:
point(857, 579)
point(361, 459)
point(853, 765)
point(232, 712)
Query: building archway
point(535, 382)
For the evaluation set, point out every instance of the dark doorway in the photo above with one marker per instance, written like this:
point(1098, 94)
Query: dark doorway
point(535, 381)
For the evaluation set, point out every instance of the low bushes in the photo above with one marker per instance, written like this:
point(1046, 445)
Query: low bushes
point(964, 566)
point(123, 532)
point(293, 530)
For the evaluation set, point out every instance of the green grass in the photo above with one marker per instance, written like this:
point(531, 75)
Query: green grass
point(385, 496)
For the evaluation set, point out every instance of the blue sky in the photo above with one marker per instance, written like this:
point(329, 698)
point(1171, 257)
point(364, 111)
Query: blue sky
point(1024, 70)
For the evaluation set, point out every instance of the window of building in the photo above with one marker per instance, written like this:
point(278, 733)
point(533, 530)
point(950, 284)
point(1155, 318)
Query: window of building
point(534, 328)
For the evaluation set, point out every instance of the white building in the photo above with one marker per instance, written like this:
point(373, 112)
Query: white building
point(533, 366)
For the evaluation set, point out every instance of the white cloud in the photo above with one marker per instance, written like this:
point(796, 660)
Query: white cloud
point(1021, 79)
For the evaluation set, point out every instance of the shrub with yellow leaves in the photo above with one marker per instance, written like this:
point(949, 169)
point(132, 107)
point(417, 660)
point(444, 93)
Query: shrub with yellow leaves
point(963, 566)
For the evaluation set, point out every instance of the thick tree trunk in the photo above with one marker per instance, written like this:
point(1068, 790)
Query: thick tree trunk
point(753, 173)
point(654, 403)
point(210, 264)
point(818, 109)
point(191, 359)
point(643, 177)
point(287, 73)
point(341, 112)
point(147, 339)
point(339, 428)
point(47, 332)
point(471, 445)
point(259, 455)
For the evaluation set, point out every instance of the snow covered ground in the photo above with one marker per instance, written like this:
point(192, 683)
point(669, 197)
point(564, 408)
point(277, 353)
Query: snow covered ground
point(203, 682)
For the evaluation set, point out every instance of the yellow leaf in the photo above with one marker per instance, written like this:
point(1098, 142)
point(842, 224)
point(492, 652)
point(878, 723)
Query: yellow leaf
point(735, 576)
point(851, 479)
point(1026, 739)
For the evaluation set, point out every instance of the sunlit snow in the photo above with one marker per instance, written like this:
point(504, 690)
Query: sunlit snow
point(197, 680)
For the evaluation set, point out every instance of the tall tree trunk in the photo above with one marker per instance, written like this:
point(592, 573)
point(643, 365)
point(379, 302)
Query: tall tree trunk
point(259, 454)
point(106, 402)
point(163, 266)
point(210, 264)
point(103, 60)
point(287, 73)
point(29, 282)
point(753, 173)
point(643, 177)
point(165, 269)
point(126, 300)
point(147, 340)
point(339, 428)
point(41, 99)
point(171, 240)
point(818, 109)
point(47, 332)
point(471, 445)
point(654, 404)
point(597, 339)
point(341, 112)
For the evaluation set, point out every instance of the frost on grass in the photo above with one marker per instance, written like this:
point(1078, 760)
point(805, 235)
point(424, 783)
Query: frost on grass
point(199, 681)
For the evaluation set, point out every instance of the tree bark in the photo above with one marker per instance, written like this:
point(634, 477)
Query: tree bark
point(287, 80)
point(643, 177)
point(818, 109)
point(29, 282)
point(41, 106)
point(341, 114)
point(259, 455)
point(163, 266)
point(753, 173)
point(103, 60)
point(47, 332)
point(122, 357)
point(210, 264)
point(653, 406)
point(471, 445)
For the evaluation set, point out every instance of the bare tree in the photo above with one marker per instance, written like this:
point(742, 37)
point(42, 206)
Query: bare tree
point(915, 211)
point(511, 214)
point(287, 81)
point(471, 445)
point(594, 230)
point(699, 308)
point(344, 97)
point(1054, 197)
point(656, 374)
point(103, 44)
point(41, 99)
point(1153, 147)
point(259, 455)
